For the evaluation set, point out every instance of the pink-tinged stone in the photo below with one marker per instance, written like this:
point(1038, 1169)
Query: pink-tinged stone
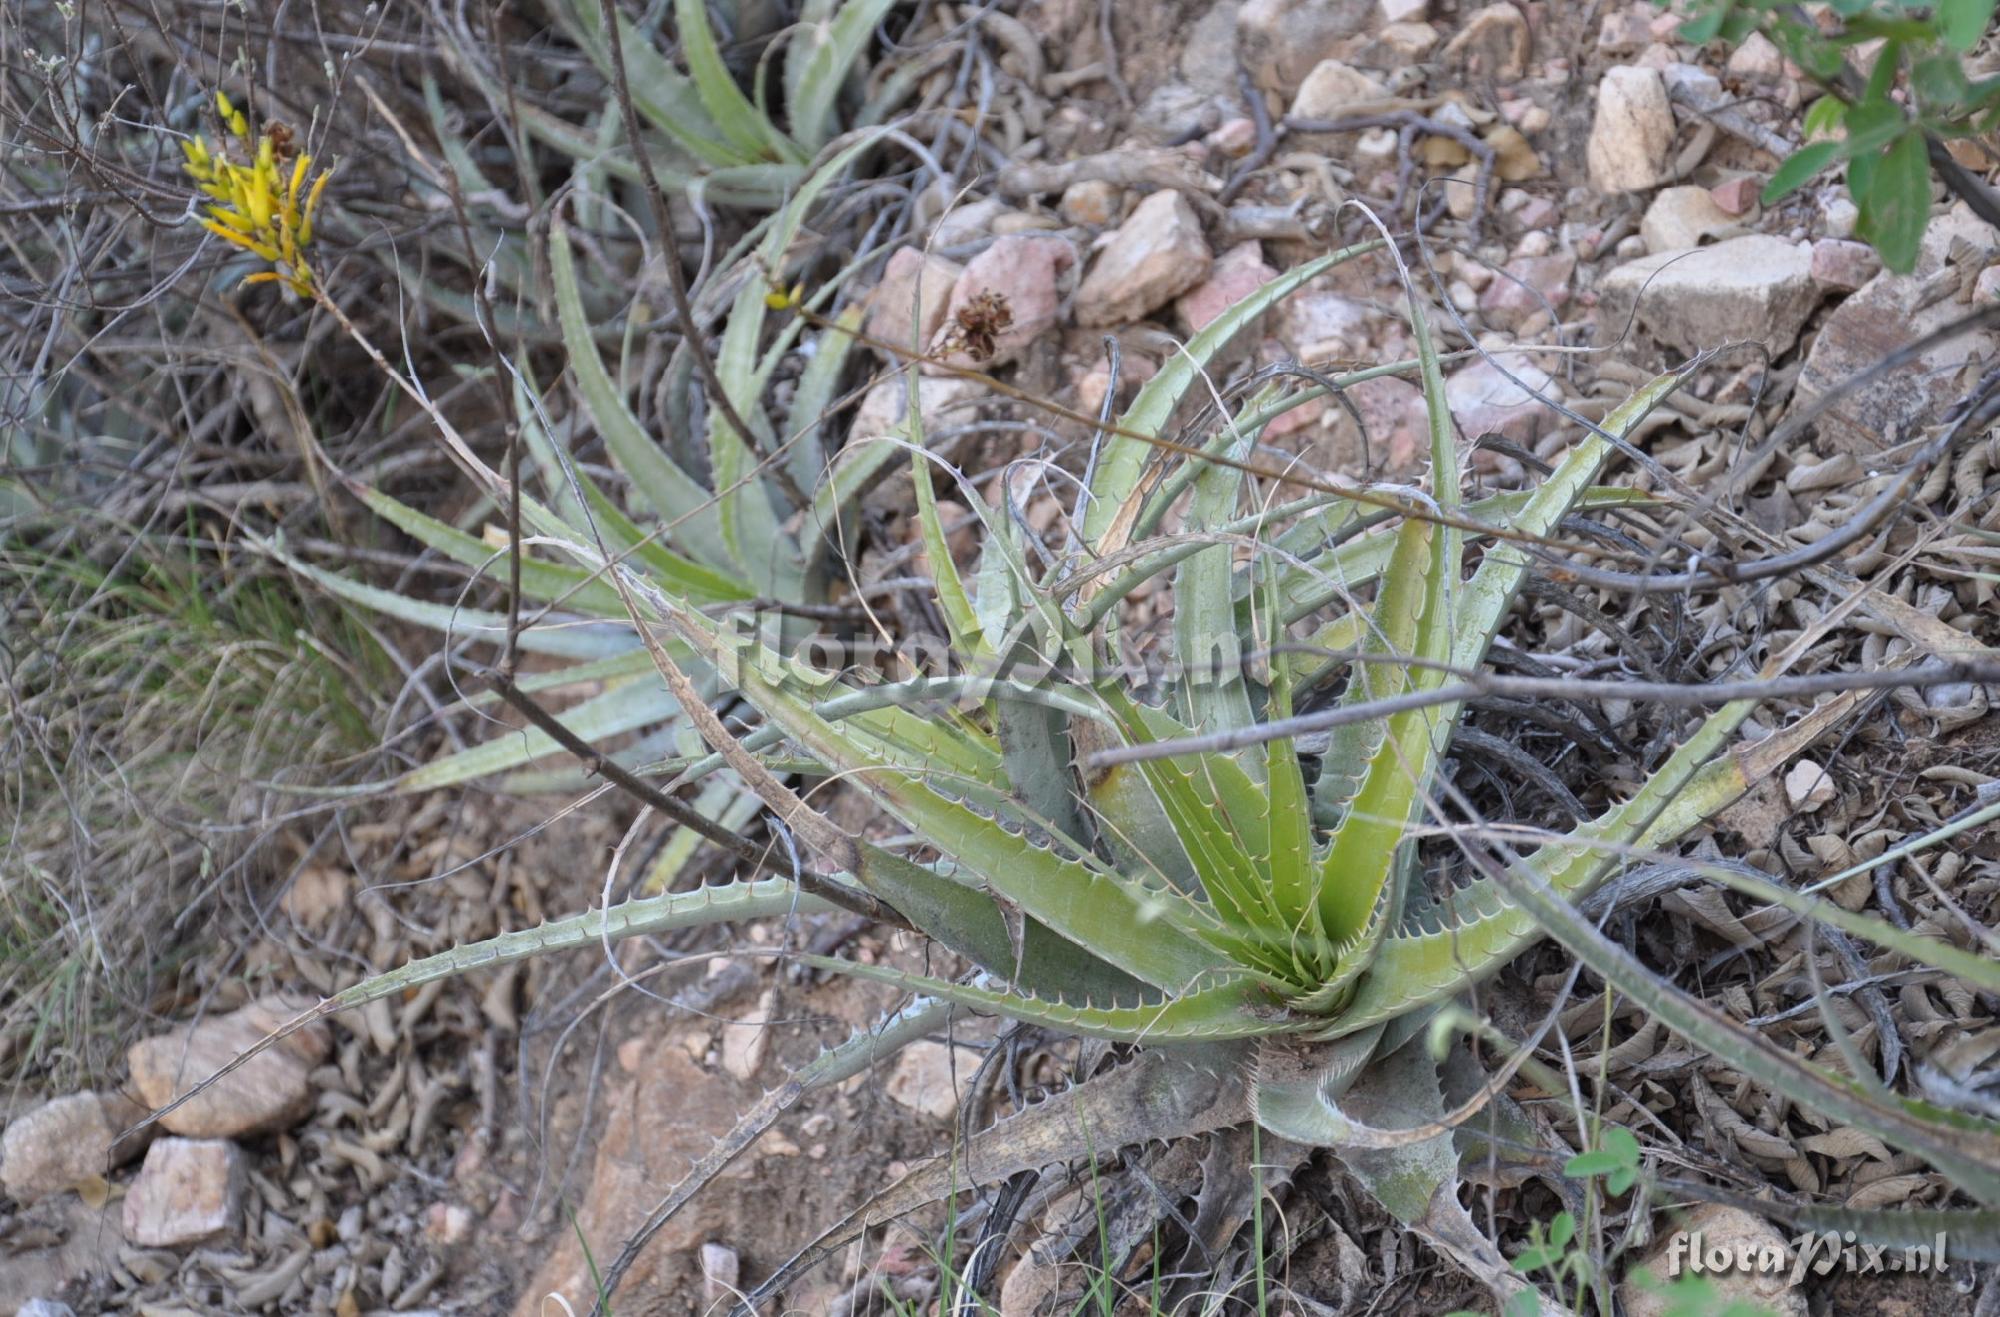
point(1157, 254)
point(1842, 264)
point(1236, 274)
point(269, 1092)
point(1092, 384)
point(1234, 139)
point(1091, 202)
point(1397, 425)
point(1538, 283)
point(1316, 325)
point(188, 1190)
point(1026, 270)
point(1484, 401)
point(1739, 195)
point(912, 281)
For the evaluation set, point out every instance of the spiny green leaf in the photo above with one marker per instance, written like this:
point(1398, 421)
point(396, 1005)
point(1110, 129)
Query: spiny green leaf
point(1212, 1014)
point(817, 64)
point(1123, 460)
point(744, 125)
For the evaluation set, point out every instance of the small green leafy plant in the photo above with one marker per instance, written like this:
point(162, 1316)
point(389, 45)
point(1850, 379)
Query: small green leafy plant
point(1882, 126)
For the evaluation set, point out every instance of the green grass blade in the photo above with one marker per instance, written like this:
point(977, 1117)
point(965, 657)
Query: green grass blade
point(623, 708)
point(676, 497)
point(562, 583)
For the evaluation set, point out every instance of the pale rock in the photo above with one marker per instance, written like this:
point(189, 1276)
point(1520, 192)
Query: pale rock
point(1658, 57)
point(1397, 431)
point(1528, 285)
point(1840, 216)
point(1377, 146)
point(1755, 288)
point(1625, 32)
point(1208, 59)
point(721, 1272)
point(1092, 202)
point(67, 1141)
point(1280, 41)
point(1632, 133)
point(1154, 256)
point(1691, 83)
point(1021, 221)
point(913, 281)
point(942, 400)
point(1680, 217)
point(1484, 401)
point(1888, 314)
point(1493, 42)
point(1766, 1291)
point(1808, 786)
point(1025, 269)
point(1235, 275)
point(1462, 296)
point(930, 1078)
point(39, 1307)
point(658, 1124)
point(1537, 213)
point(447, 1225)
point(271, 1091)
point(746, 1041)
point(1176, 112)
point(966, 221)
point(1844, 265)
point(1757, 59)
point(188, 1190)
point(1986, 288)
point(1407, 42)
point(1234, 139)
point(1316, 325)
point(1331, 87)
point(1461, 190)
point(1536, 243)
point(1404, 11)
point(1739, 196)
point(1630, 247)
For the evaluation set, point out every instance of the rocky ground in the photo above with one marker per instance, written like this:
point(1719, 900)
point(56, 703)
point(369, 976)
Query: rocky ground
point(1589, 192)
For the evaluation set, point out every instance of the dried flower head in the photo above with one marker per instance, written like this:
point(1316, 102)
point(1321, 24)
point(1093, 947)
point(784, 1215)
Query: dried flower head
point(259, 205)
point(977, 324)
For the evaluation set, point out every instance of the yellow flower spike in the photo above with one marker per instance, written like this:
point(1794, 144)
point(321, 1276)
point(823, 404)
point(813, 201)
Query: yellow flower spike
point(232, 118)
point(312, 204)
point(257, 206)
point(243, 240)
